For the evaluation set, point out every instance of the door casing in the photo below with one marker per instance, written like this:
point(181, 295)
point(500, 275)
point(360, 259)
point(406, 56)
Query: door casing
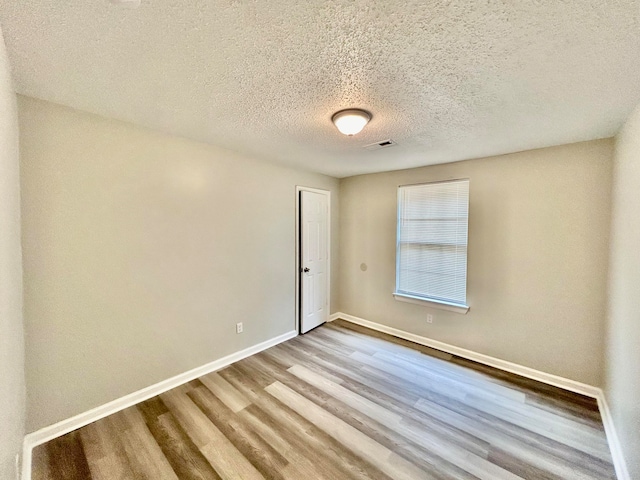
point(298, 276)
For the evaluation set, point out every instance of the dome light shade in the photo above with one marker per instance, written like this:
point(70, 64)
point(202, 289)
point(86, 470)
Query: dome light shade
point(351, 121)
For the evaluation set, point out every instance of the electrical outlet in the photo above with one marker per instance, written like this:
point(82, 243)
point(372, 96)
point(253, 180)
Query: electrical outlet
point(239, 327)
point(429, 318)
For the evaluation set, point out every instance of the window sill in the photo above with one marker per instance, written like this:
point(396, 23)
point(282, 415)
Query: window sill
point(452, 307)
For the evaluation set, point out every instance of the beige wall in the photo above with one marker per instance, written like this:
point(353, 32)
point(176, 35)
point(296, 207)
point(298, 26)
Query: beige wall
point(11, 338)
point(537, 259)
point(142, 251)
point(623, 335)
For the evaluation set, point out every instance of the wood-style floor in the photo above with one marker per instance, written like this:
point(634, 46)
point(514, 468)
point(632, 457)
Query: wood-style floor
point(343, 402)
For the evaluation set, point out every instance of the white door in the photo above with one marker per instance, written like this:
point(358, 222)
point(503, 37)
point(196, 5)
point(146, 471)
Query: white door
point(314, 259)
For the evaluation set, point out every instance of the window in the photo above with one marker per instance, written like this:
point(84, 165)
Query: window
point(431, 252)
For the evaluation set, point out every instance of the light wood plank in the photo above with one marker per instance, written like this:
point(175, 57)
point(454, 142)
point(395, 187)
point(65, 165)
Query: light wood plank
point(217, 449)
point(268, 461)
point(144, 454)
point(105, 452)
point(390, 463)
point(473, 464)
point(296, 436)
point(225, 392)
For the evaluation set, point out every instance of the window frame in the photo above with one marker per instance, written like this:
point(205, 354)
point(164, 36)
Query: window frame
point(419, 299)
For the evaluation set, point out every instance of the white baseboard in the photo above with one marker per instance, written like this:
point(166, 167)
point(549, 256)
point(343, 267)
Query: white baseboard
point(555, 380)
point(527, 372)
point(614, 441)
point(65, 426)
point(48, 433)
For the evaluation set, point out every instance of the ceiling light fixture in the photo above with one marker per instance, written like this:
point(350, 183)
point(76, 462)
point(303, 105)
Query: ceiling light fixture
point(351, 121)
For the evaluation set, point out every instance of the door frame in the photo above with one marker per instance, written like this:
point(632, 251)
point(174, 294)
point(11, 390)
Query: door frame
point(298, 242)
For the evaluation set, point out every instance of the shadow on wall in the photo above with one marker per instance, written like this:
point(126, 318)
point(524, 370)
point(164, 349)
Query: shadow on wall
point(12, 395)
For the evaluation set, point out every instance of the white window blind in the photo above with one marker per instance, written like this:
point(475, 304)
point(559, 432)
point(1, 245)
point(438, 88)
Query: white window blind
point(431, 256)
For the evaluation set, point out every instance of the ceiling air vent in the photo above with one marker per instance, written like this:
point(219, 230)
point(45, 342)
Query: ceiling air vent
point(127, 3)
point(380, 145)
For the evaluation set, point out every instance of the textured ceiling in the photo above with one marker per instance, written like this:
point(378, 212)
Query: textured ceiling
point(447, 80)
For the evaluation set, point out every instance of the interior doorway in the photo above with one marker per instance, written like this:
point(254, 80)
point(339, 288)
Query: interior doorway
point(313, 254)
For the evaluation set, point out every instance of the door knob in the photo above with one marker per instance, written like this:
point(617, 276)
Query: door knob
point(306, 270)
